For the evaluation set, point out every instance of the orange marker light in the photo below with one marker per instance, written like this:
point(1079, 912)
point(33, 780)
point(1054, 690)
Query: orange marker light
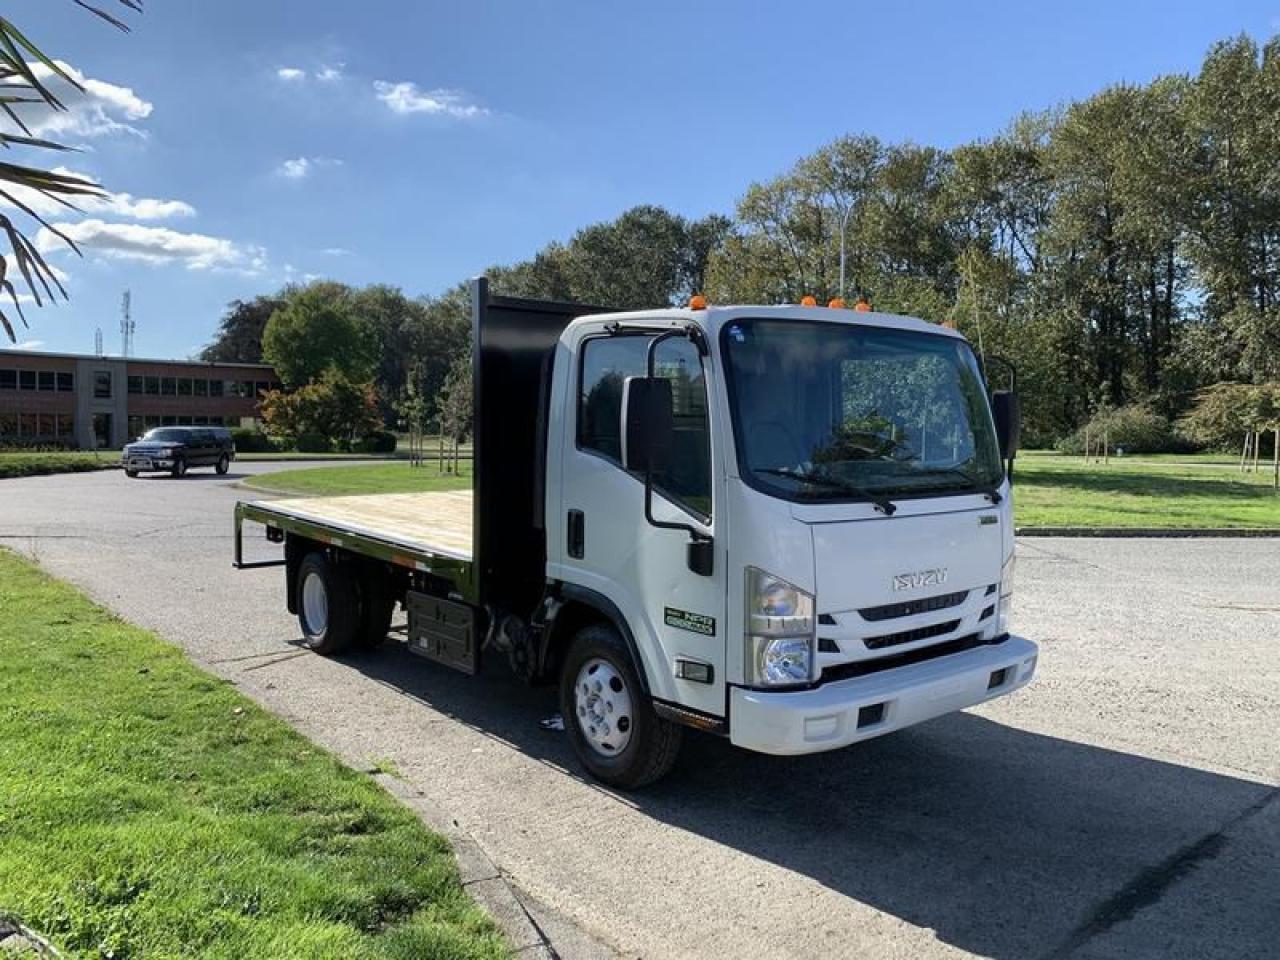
point(697, 302)
point(837, 303)
point(808, 301)
point(862, 306)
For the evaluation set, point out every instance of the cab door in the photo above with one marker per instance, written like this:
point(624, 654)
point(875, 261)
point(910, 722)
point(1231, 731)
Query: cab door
point(676, 615)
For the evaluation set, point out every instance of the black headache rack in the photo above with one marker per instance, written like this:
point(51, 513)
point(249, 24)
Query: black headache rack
point(513, 347)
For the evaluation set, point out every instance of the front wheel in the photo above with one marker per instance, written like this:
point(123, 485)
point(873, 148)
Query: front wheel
point(224, 464)
point(615, 732)
point(131, 474)
point(180, 467)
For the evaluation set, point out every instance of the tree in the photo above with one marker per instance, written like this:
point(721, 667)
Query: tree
point(240, 331)
point(454, 406)
point(24, 84)
point(333, 407)
point(317, 330)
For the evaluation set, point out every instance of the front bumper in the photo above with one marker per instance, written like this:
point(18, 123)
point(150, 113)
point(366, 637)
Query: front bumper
point(147, 463)
point(833, 716)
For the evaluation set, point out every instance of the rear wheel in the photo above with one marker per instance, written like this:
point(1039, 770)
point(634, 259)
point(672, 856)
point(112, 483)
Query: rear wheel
point(224, 464)
point(611, 722)
point(328, 609)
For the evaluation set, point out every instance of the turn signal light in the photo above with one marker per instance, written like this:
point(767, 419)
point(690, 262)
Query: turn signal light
point(697, 302)
point(808, 301)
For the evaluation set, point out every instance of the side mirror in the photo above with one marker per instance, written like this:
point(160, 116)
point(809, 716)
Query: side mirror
point(1008, 415)
point(648, 424)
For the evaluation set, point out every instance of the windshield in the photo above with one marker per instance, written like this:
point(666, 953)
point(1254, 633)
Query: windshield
point(166, 436)
point(831, 411)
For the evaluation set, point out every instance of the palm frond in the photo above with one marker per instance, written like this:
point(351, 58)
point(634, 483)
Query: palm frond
point(19, 84)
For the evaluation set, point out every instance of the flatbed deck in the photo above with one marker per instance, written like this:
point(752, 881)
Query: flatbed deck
point(414, 530)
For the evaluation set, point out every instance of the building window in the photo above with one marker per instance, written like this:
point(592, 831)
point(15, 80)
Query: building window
point(184, 386)
point(28, 424)
point(153, 386)
point(168, 421)
point(8, 425)
point(47, 380)
point(215, 388)
point(168, 387)
point(8, 379)
point(102, 384)
point(66, 425)
point(246, 388)
point(137, 427)
point(48, 425)
point(152, 421)
point(201, 386)
point(66, 382)
point(135, 385)
point(27, 379)
point(184, 421)
point(263, 387)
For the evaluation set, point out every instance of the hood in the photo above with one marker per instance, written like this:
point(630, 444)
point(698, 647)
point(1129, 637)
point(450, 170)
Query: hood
point(893, 583)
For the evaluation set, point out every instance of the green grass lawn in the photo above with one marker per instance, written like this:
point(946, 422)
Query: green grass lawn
point(23, 463)
point(1141, 491)
point(1050, 490)
point(147, 809)
point(397, 477)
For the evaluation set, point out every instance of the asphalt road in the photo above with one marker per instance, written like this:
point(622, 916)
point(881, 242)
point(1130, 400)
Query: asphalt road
point(1124, 805)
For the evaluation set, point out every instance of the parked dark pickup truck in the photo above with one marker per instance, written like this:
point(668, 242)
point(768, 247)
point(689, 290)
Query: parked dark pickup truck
point(175, 449)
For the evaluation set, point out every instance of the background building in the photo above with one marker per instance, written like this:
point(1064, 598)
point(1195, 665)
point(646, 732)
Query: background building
point(103, 402)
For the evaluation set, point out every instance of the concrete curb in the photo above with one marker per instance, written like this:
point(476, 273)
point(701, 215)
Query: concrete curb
point(525, 925)
point(1153, 532)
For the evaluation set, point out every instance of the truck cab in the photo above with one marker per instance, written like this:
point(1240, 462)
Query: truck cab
point(790, 526)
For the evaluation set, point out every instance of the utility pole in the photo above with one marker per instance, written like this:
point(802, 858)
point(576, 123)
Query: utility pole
point(127, 325)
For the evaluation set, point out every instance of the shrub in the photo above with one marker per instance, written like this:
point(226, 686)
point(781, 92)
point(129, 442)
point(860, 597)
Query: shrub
point(1224, 412)
point(1136, 427)
point(380, 441)
point(248, 440)
point(314, 443)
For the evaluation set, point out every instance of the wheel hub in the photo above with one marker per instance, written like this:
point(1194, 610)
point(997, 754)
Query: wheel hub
point(315, 603)
point(603, 706)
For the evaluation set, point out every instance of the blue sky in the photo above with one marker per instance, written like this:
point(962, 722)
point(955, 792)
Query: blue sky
point(415, 143)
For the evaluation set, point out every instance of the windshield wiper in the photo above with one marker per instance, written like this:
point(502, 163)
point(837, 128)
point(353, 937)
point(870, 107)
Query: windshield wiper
point(991, 493)
point(879, 501)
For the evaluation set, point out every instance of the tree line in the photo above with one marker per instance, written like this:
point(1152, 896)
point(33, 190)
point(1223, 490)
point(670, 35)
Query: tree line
point(1123, 249)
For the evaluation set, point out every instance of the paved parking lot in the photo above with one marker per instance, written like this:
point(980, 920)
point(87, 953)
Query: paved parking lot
point(1124, 805)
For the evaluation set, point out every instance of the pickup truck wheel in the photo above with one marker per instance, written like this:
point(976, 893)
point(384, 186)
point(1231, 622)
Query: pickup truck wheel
point(328, 610)
point(224, 464)
point(377, 604)
point(615, 732)
point(180, 467)
point(131, 474)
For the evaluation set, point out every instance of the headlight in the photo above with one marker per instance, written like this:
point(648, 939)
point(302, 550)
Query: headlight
point(779, 631)
point(1006, 595)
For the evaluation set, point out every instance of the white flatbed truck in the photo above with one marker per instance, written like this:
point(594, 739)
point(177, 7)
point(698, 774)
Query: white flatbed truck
point(789, 525)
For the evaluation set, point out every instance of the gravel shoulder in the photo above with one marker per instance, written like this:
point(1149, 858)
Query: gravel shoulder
point(1123, 805)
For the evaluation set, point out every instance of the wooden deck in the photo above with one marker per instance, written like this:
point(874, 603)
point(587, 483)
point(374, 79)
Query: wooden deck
point(437, 523)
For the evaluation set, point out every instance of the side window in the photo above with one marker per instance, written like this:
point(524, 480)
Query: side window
point(606, 363)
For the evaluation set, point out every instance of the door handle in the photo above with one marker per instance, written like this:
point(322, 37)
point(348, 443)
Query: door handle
point(577, 529)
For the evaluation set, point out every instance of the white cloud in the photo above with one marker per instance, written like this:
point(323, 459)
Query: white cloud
point(156, 245)
point(114, 204)
point(291, 74)
point(407, 97)
point(299, 168)
point(330, 74)
point(102, 109)
point(336, 252)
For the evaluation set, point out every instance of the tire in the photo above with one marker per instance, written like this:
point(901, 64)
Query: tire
point(610, 720)
point(180, 467)
point(328, 608)
point(131, 474)
point(377, 605)
point(224, 464)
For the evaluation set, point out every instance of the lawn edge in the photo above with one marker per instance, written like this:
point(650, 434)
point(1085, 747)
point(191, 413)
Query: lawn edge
point(1220, 533)
point(484, 881)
